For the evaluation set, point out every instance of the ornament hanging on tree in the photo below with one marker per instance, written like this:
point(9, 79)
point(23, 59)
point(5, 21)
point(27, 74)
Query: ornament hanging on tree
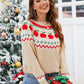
point(11, 27)
point(6, 19)
point(16, 31)
point(3, 34)
point(2, 0)
point(7, 4)
point(16, 10)
point(3, 63)
point(18, 64)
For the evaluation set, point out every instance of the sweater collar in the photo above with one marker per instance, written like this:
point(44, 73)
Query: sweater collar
point(39, 25)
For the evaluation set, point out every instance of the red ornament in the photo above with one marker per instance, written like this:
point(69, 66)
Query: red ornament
point(56, 35)
point(31, 28)
point(35, 33)
point(3, 63)
point(3, 34)
point(42, 35)
point(11, 27)
point(24, 27)
point(50, 36)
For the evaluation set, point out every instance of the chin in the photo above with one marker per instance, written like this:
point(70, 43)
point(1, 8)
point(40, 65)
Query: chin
point(44, 11)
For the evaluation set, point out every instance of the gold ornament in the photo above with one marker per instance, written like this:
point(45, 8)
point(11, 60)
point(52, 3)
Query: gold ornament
point(16, 10)
point(2, 0)
point(13, 64)
point(18, 64)
point(16, 31)
point(7, 4)
point(3, 34)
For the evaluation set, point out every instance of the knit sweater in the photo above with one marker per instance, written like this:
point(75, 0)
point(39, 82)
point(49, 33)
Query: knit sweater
point(40, 50)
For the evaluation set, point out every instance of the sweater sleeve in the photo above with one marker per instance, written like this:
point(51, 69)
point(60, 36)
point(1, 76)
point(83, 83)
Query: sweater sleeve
point(63, 64)
point(30, 61)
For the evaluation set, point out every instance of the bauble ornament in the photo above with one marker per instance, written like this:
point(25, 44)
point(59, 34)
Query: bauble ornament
point(16, 31)
point(7, 4)
point(18, 64)
point(2, 0)
point(3, 63)
point(3, 34)
point(16, 10)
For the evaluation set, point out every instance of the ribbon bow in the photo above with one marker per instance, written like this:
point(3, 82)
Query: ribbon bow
point(62, 79)
point(17, 74)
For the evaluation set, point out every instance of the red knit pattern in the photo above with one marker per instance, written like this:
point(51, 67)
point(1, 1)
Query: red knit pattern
point(26, 39)
point(34, 23)
point(65, 74)
point(46, 46)
point(40, 77)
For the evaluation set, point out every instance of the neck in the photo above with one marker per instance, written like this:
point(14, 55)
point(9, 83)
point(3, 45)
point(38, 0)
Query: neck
point(41, 18)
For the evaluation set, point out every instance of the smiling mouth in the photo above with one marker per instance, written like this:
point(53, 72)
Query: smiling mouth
point(44, 7)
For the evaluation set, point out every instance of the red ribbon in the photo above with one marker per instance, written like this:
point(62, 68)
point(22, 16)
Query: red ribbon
point(17, 74)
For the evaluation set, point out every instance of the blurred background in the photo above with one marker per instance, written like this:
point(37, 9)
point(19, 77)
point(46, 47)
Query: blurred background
point(71, 16)
point(13, 12)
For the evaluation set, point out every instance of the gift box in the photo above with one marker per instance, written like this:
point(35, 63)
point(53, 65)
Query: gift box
point(59, 80)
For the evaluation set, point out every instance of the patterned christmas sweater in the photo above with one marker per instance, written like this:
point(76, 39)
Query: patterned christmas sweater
point(40, 50)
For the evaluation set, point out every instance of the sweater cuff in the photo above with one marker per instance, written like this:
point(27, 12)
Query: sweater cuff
point(41, 79)
point(65, 74)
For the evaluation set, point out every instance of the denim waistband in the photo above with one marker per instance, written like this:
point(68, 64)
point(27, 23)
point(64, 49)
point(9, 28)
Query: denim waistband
point(58, 73)
point(47, 75)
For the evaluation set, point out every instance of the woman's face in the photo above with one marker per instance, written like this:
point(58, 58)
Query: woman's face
point(41, 6)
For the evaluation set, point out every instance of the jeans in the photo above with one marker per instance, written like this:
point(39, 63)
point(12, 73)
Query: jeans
point(30, 78)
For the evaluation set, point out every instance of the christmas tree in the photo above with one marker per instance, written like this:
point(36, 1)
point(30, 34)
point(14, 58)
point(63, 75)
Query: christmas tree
point(11, 18)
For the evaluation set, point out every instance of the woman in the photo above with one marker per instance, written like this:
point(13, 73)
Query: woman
point(42, 43)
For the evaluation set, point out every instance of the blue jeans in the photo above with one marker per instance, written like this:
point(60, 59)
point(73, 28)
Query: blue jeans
point(30, 78)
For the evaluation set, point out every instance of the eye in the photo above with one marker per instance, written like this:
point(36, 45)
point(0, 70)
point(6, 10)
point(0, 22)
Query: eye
point(37, 0)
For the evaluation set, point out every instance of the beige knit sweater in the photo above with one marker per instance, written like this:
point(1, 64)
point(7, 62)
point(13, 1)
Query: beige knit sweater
point(40, 50)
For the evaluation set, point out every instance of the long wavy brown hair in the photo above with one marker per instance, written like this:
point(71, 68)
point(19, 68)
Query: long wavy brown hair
point(52, 15)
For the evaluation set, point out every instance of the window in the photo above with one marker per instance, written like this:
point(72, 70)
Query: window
point(70, 8)
point(67, 12)
point(80, 11)
point(66, 0)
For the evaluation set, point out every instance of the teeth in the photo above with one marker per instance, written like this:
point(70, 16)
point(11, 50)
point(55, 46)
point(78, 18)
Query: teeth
point(44, 7)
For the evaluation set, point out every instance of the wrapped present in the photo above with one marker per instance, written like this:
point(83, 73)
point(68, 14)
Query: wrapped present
point(59, 80)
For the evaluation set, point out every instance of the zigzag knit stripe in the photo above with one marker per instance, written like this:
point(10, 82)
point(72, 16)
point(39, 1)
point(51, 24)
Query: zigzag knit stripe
point(23, 40)
point(65, 74)
point(47, 46)
point(40, 77)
